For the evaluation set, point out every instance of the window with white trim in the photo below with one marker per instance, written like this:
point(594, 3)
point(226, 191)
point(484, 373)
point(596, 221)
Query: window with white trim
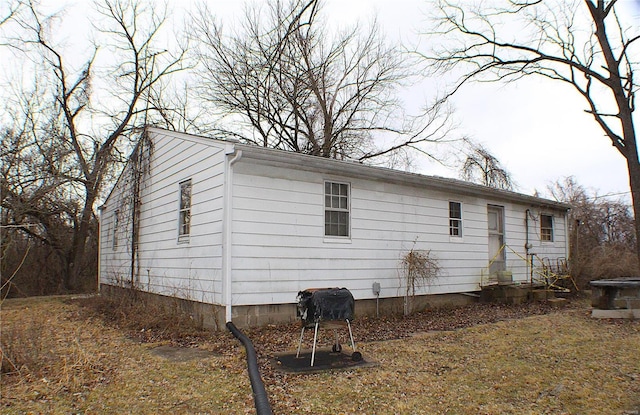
point(336, 209)
point(116, 219)
point(184, 218)
point(546, 228)
point(455, 219)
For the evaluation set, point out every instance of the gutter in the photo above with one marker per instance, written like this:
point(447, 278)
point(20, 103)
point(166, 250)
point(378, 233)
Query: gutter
point(101, 209)
point(280, 158)
point(269, 156)
point(227, 223)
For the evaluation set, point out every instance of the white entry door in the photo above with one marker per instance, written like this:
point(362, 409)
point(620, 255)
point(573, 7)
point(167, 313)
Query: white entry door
point(495, 216)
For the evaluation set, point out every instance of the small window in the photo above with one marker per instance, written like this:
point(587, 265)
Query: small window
point(546, 228)
point(455, 219)
point(336, 209)
point(184, 221)
point(116, 220)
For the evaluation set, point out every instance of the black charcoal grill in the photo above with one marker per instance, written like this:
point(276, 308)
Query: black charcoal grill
point(326, 307)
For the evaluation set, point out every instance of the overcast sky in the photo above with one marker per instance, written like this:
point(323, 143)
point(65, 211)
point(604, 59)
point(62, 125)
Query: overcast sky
point(536, 128)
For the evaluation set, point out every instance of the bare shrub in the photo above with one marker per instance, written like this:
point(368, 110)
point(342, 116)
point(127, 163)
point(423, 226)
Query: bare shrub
point(23, 348)
point(606, 261)
point(148, 320)
point(601, 234)
point(420, 268)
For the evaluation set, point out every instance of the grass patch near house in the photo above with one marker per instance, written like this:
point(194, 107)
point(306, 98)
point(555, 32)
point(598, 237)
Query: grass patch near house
point(557, 363)
point(61, 358)
point(527, 360)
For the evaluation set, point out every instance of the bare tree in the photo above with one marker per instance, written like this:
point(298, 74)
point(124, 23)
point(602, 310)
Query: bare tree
point(88, 117)
point(35, 210)
point(480, 166)
point(601, 233)
point(584, 43)
point(8, 11)
point(296, 87)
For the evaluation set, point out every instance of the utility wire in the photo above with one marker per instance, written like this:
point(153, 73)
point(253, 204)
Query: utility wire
point(610, 195)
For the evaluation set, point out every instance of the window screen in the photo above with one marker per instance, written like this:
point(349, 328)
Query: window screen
point(184, 220)
point(336, 209)
point(546, 228)
point(455, 219)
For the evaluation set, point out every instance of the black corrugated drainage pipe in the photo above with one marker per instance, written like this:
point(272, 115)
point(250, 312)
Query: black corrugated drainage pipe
point(259, 393)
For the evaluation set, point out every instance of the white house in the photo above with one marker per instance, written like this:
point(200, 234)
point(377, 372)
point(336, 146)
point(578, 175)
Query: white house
point(236, 230)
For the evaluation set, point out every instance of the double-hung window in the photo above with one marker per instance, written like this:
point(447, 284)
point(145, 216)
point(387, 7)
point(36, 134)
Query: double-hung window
point(116, 220)
point(546, 228)
point(455, 219)
point(336, 209)
point(184, 217)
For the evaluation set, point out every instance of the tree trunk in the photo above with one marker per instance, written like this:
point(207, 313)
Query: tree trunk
point(634, 183)
point(623, 97)
point(76, 258)
point(630, 152)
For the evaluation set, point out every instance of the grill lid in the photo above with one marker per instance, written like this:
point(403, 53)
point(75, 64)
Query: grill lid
point(325, 304)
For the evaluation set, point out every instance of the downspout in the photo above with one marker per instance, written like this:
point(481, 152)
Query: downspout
point(527, 246)
point(100, 211)
point(567, 238)
point(227, 226)
point(260, 398)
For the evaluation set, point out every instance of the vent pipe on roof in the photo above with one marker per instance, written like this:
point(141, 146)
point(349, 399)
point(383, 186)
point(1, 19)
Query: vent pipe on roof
point(227, 228)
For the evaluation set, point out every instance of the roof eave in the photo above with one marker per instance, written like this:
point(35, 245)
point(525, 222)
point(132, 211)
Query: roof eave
point(313, 163)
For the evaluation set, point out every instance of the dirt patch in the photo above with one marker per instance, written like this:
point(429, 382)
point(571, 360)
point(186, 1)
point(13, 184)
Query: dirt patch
point(325, 360)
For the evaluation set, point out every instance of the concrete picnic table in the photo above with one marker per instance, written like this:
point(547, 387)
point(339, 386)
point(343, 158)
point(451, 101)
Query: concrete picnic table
point(606, 291)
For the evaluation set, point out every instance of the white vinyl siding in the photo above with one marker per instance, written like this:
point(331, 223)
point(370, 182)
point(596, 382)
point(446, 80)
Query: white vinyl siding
point(516, 238)
point(279, 246)
point(190, 271)
point(278, 243)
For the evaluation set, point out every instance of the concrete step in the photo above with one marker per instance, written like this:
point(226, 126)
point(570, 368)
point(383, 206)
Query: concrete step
point(557, 302)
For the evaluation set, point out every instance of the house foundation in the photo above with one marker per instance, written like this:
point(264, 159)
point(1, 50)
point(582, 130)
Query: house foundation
point(515, 293)
point(212, 316)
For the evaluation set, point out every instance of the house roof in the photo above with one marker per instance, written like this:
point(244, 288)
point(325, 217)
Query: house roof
point(306, 162)
point(355, 169)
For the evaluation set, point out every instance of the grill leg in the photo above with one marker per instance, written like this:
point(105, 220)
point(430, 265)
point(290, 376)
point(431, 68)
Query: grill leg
point(315, 338)
point(353, 344)
point(300, 342)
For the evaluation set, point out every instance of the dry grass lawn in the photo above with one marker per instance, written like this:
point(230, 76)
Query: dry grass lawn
point(60, 359)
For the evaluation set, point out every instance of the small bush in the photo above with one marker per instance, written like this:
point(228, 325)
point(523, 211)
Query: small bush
point(605, 262)
point(24, 348)
point(419, 268)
